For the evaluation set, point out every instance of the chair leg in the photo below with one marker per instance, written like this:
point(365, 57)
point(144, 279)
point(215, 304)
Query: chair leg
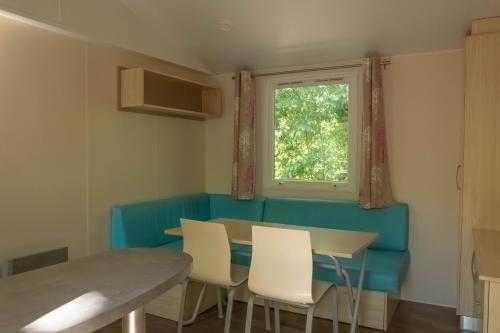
point(267, 315)
point(224, 300)
point(197, 306)
point(277, 325)
point(310, 317)
point(219, 303)
point(248, 320)
point(180, 321)
point(229, 310)
point(335, 309)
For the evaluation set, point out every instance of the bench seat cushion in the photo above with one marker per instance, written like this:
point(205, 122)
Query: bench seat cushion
point(222, 205)
point(142, 225)
point(390, 223)
point(177, 245)
point(385, 270)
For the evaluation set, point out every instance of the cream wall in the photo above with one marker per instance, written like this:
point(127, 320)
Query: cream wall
point(67, 155)
point(424, 105)
point(133, 156)
point(42, 140)
point(424, 102)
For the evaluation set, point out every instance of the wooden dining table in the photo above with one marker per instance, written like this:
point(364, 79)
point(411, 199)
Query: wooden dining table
point(333, 243)
point(86, 294)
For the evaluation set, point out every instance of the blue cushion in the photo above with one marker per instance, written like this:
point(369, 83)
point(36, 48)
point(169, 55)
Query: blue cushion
point(225, 206)
point(142, 224)
point(177, 245)
point(390, 223)
point(385, 270)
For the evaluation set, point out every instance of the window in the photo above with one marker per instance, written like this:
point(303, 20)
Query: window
point(313, 125)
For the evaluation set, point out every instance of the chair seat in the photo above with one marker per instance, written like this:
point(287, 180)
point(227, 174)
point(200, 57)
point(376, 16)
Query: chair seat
point(319, 288)
point(239, 274)
point(179, 244)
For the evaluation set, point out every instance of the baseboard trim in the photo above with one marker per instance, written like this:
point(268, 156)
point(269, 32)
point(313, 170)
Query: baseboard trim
point(428, 303)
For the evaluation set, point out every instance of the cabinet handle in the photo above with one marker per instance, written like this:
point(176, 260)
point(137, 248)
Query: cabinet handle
point(473, 266)
point(457, 173)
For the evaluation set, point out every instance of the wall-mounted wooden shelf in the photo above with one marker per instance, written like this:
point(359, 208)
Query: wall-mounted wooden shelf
point(146, 91)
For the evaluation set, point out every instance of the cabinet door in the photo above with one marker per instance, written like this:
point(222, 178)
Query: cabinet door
point(481, 170)
point(491, 323)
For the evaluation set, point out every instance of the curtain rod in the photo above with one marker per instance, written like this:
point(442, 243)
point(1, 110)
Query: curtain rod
point(384, 62)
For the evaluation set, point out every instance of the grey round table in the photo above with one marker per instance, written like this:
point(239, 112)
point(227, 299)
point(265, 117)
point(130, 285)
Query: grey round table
point(88, 293)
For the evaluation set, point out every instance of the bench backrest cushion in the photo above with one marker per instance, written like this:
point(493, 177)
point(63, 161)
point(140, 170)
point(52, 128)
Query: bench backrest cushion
point(222, 205)
point(391, 223)
point(142, 224)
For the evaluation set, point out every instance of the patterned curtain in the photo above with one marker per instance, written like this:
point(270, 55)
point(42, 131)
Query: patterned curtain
point(243, 184)
point(375, 190)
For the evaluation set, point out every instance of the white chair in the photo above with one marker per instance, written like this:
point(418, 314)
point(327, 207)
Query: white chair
point(281, 272)
point(208, 244)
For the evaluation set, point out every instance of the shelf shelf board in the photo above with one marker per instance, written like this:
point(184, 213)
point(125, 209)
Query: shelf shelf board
point(157, 109)
point(155, 93)
point(175, 78)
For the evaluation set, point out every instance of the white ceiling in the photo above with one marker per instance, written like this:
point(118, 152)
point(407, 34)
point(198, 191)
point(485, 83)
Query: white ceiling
point(265, 33)
point(276, 33)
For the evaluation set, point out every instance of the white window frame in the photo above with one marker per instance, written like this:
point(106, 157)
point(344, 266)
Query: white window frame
point(350, 76)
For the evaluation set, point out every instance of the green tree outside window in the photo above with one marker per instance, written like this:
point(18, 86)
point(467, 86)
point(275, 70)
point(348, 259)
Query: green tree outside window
point(311, 133)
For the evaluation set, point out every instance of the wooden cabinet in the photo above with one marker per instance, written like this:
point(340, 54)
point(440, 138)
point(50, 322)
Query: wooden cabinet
point(481, 165)
point(487, 250)
point(151, 92)
point(491, 322)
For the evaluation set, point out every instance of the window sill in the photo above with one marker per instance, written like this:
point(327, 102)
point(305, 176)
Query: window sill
point(315, 190)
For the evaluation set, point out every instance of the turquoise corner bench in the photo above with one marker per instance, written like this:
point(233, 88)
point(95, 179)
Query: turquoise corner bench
point(142, 225)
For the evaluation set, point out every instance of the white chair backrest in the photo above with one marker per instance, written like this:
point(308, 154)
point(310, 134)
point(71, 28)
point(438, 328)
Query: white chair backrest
point(282, 264)
point(209, 246)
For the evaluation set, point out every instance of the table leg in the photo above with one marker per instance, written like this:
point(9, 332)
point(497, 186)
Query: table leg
point(134, 322)
point(353, 300)
point(354, 324)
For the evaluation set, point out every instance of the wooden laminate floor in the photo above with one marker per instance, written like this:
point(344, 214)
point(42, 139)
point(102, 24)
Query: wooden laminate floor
point(409, 318)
